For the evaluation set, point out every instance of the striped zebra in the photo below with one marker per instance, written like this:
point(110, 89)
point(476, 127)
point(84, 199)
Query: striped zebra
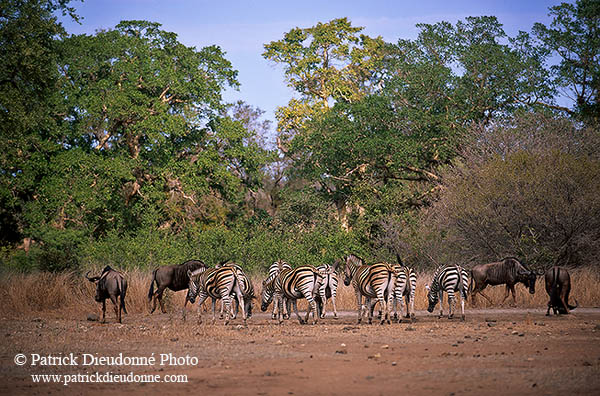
point(404, 290)
point(406, 284)
point(328, 283)
point(247, 290)
point(449, 279)
point(217, 283)
point(292, 284)
point(274, 270)
point(372, 281)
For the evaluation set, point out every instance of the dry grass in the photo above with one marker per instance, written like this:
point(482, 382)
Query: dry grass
point(72, 295)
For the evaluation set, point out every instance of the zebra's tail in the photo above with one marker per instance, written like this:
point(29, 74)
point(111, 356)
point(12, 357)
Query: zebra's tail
point(461, 286)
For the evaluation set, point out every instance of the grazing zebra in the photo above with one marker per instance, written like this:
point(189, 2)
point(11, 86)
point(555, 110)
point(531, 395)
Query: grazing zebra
point(292, 284)
point(216, 283)
point(328, 283)
point(247, 290)
point(274, 270)
point(372, 281)
point(451, 278)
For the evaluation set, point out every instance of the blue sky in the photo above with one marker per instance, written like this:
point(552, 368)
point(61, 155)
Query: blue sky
point(241, 28)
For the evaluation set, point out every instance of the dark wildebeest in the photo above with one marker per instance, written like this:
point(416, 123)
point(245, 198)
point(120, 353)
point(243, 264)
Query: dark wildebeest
point(508, 271)
point(558, 287)
point(175, 277)
point(110, 284)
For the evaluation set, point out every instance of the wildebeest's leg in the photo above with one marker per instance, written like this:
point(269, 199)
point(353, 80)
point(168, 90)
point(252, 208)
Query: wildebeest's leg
point(103, 311)
point(562, 295)
point(506, 293)
point(158, 296)
point(549, 306)
point(512, 290)
point(115, 302)
point(160, 292)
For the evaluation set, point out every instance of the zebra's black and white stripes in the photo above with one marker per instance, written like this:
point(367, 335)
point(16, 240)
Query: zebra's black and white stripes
point(328, 283)
point(217, 283)
point(371, 281)
point(449, 279)
point(292, 284)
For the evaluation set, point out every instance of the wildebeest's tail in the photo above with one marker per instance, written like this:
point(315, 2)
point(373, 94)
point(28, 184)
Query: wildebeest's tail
point(151, 291)
point(123, 292)
point(470, 282)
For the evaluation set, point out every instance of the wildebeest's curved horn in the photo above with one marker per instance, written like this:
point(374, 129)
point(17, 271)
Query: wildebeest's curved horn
point(92, 279)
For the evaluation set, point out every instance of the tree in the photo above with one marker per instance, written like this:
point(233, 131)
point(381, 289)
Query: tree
point(382, 152)
point(326, 63)
point(30, 103)
point(574, 35)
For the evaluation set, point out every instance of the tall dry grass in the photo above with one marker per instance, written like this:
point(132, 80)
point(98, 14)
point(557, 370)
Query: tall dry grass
point(71, 295)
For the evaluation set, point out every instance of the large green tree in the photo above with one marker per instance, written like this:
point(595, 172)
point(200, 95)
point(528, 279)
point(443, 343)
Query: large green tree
point(574, 35)
point(30, 104)
point(380, 154)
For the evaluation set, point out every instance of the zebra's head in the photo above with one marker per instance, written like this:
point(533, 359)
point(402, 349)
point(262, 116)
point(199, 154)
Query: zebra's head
point(352, 263)
point(193, 286)
point(268, 290)
point(432, 298)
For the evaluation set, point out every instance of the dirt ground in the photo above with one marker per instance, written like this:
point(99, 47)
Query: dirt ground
point(502, 351)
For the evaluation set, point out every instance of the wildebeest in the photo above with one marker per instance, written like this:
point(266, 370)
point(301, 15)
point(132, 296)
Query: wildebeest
point(110, 284)
point(508, 271)
point(174, 277)
point(558, 287)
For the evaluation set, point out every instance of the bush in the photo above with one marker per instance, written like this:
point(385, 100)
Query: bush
point(529, 189)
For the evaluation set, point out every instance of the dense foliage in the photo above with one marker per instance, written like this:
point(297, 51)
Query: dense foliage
point(118, 148)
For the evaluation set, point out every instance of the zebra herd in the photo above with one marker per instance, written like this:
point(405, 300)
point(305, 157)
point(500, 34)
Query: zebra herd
point(389, 285)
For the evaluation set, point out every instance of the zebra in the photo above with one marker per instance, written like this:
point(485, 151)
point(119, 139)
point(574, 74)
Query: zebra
point(247, 289)
point(372, 281)
point(292, 284)
point(216, 283)
point(274, 270)
point(451, 278)
point(404, 289)
point(328, 282)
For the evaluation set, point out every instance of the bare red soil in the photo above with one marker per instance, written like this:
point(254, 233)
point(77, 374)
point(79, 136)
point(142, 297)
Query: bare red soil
point(494, 352)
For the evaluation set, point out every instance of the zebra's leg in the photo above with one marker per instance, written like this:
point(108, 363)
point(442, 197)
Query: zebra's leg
point(202, 296)
point(288, 312)
point(441, 298)
point(323, 295)
point(221, 311)
point(295, 306)
point(463, 297)
point(274, 314)
point(451, 303)
point(312, 305)
point(280, 307)
point(335, 315)
point(359, 305)
point(214, 309)
point(227, 301)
